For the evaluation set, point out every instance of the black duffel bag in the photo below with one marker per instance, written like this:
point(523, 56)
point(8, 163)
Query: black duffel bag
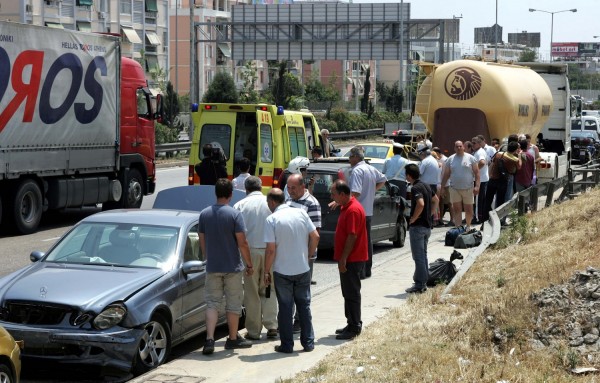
point(471, 238)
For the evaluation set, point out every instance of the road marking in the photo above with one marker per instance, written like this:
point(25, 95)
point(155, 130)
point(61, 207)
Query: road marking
point(50, 239)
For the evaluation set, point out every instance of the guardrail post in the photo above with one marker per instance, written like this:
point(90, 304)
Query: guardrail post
point(550, 194)
point(533, 195)
point(570, 185)
point(522, 200)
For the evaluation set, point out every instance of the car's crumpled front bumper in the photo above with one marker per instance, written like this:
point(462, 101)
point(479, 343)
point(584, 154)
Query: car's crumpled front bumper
point(114, 348)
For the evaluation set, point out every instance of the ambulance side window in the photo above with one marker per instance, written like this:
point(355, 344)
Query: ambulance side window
point(215, 133)
point(297, 141)
point(308, 125)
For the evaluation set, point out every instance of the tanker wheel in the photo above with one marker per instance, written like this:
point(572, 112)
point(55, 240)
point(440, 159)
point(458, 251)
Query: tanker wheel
point(134, 191)
point(27, 207)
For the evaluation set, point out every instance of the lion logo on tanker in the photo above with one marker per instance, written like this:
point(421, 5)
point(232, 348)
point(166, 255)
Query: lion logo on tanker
point(463, 83)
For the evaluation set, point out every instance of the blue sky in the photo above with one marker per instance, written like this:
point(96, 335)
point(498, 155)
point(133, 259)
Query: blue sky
point(514, 16)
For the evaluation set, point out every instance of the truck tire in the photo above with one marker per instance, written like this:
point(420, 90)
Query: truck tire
point(27, 207)
point(134, 190)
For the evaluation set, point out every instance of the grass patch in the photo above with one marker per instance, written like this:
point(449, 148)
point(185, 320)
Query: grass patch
point(483, 331)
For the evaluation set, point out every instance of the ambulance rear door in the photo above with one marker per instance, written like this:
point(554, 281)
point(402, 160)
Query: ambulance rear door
point(265, 163)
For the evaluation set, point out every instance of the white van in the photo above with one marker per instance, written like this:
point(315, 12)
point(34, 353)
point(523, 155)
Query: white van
point(586, 123)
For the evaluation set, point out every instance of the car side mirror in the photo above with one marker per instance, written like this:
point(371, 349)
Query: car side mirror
point(193, 267)
point(36, 255)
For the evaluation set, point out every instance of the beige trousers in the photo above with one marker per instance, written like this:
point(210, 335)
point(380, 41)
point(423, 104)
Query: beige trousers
point(260, 310)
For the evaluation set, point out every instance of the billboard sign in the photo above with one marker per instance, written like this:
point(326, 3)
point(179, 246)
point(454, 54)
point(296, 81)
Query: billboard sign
point(576, 49)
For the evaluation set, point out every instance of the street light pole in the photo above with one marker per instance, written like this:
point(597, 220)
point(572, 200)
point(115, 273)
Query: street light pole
point(455, 34)
point(496, 35)
point(552, 23)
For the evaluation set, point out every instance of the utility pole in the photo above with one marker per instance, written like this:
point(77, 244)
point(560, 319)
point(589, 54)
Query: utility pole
point(193, 80)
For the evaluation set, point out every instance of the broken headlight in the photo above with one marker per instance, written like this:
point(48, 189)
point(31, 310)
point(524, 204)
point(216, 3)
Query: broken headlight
point(111, 316)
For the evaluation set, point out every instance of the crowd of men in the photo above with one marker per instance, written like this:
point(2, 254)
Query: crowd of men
point(267, 245)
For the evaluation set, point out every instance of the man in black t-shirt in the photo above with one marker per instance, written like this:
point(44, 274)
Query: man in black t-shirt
point(420, 227)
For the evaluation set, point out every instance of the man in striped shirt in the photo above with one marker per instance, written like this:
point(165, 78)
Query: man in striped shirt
point(302, 199)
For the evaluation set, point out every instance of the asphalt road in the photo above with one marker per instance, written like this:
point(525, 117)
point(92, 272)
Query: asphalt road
point(16, 249)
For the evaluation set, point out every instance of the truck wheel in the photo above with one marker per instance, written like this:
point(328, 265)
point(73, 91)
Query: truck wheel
point(134, 192)
point(27, 207)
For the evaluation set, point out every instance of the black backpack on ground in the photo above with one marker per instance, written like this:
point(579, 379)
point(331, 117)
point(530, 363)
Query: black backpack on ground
point(442, 271)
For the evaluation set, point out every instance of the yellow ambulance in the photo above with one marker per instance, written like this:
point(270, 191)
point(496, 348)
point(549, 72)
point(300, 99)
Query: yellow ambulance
point(267, 135)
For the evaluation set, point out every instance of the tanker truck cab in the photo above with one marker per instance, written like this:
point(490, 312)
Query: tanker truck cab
point(265, 134)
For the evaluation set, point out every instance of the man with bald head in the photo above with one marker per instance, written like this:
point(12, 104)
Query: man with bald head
point(291, 238)
point(300, 197)
point(463, 172)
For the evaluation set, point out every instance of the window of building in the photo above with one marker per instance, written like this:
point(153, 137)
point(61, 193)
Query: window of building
point(125, 7)
point(151, 6)
point(54, 25)
point(151, 62)
point(84, 26)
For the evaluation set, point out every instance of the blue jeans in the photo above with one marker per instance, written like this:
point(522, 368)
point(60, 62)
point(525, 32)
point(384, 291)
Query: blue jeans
point(294, 289)
point(419, 237)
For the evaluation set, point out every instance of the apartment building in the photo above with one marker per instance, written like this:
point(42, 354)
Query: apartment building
point(143, 24)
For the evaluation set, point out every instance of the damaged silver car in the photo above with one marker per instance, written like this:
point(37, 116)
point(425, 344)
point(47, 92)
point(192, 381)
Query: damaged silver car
point(117, 291)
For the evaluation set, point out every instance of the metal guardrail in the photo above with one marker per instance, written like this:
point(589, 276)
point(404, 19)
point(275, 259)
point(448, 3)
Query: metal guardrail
point(526, 200)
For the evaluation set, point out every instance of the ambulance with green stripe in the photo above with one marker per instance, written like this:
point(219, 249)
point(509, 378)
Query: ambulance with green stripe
point(269, 136)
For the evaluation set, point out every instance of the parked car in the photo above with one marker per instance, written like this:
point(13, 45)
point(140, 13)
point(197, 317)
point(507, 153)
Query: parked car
point(380, 150)
point(388, 222)
point(117, 291)
point(585, 145)
point(10, 358)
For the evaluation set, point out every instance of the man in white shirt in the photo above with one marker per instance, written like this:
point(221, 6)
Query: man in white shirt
point(291, 237)
point(260, 309)
point(462, 171)
point(244, 166)
point(365, 180)
point(482, 163)
point(393, 169)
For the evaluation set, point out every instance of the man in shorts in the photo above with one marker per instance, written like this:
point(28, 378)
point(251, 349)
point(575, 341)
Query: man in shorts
point(222, 237)
point(462, 171)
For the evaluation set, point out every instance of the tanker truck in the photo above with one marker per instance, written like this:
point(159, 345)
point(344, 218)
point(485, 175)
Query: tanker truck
point(76, 124)
point(461, 99)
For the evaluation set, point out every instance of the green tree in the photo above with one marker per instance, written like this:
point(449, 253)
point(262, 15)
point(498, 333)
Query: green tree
point(528, 55)
point(221, 89)
point(286, 89)
point(315, 91)
point(364, 103)
point(248, 93)
point(171, 108)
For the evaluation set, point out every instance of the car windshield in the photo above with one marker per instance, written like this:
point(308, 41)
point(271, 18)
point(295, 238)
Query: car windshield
point(373, 151)
point(116, 244)
point(323, 182)
point(582, 134)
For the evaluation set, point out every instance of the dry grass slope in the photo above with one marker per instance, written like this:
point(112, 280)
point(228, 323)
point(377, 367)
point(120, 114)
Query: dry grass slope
point(481, 333)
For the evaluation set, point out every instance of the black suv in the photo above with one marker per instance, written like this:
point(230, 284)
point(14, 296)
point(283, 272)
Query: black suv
point(388, 222)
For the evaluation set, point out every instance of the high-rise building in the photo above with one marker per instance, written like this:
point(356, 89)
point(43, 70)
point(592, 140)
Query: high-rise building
point(530, 40)
point(488, 35)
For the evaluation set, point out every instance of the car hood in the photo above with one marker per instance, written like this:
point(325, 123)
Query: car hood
point(88, 287)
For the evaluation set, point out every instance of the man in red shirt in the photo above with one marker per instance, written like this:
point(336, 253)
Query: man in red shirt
point(351, 252)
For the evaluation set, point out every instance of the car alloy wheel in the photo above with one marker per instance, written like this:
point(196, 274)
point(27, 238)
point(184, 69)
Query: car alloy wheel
point(154, 347)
